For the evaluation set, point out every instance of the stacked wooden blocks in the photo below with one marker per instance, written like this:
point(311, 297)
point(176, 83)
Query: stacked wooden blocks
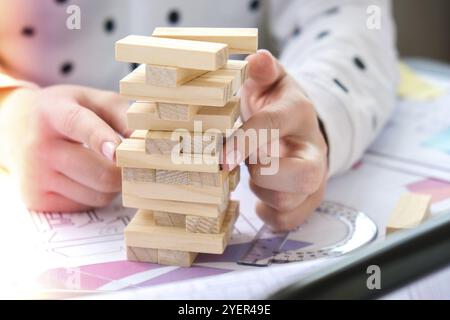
point(185, 105)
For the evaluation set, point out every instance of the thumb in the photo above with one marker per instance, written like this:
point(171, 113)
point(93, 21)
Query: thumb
point(264, 71)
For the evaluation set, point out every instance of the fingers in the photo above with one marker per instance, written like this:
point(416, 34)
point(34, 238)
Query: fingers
point(264, 127)
point(264, 70)
point(108, 105)
point(86, 167)
point(278, 200)
point(78, 193)
point(283, 221)
point(286, 220)
point(53, 202)
point(82, 125)
point(294, 175)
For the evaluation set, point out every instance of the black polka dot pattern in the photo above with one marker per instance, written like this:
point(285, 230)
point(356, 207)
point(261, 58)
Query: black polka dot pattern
point(359, 63)
point(28, 31)
point(66, 68)
point(340, 85)
point(296, 31)
point(254, 5)
point(173, 17)
point(323, 34)
point(109, 25)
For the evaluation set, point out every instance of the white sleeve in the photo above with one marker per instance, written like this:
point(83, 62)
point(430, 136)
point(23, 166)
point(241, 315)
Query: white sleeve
point(347, 68)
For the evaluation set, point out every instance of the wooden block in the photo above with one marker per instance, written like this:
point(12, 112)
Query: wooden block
point(143, 233)
point(197, 224)
point(166, 142)
point(202, 143)
point(240, 65)
point(198, 179)
point(239, 40)
point(161, 142)
point(142, 254)
point(164, 257)
point(235, 177)
point(170, 219)
point(143, 116)
point(138, 175)
point(173, 111)
point(207, 91)
point(172, 52)
point(198, 209)
point(174, 177)
point(232, 76)
point(177, 192)
point(164, 76)
point(202, 179)
point(411, 210)
point(131, 153)
point(176, 258)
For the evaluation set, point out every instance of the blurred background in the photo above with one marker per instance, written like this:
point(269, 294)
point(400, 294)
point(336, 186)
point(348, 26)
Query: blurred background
point(423, 28)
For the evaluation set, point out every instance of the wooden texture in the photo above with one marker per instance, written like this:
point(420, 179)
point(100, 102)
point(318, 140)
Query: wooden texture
point(202, 143)
point(166, 142)
point(143, 233)
point(232, 76)
point(192, 208)
point(161, 142)
point(240, 65)
point(142, 254)
point(205, 90)
point(176, 258)
point(177, 192)
point(164, 257)
point(138, 175)
point(197, 179)
point(239, 40)
point(173, 177)
point(131, 153)
point(235, 178)
point(197, 224)
point(206, 179)
point(174, 111)
point(411, 210)
point(170, 219)
point(164, 76)
point(143, 116)
point(172, 52)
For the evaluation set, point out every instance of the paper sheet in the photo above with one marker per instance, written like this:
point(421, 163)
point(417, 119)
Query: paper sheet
point(416, 139)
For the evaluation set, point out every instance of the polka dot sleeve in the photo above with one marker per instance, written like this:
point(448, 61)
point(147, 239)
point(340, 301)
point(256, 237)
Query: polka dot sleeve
point(348, 68)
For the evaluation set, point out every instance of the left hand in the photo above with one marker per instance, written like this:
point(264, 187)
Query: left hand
point(271, 99)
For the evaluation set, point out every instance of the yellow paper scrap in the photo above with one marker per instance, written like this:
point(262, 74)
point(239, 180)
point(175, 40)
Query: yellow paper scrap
point(414, 87)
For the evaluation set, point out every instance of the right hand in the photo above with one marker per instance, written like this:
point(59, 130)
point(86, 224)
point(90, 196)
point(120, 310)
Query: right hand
point(59, 145)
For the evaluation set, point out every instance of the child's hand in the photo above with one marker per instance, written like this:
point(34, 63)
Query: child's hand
point(59, 143)
point(271, 99)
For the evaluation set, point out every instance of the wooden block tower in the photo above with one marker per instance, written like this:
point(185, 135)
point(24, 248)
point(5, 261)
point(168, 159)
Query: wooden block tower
point(184, 92)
